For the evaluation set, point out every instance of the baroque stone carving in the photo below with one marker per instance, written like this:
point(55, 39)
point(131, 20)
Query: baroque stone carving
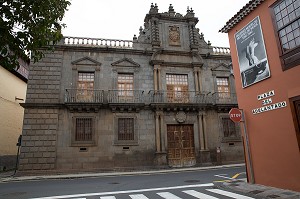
point(180, 117)
point(174, 36)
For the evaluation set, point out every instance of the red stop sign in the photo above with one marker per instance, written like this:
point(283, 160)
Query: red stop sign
point(235, 115)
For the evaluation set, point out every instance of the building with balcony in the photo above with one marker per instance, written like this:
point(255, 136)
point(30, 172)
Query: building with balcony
point(265, 44)
point(159, 100)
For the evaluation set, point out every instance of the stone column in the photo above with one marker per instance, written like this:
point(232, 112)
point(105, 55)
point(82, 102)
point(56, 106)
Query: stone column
point(163, 133)
point(199, 81)
point(160, 155)
point(157, 132)
point(204, 151)
point(200, 129)
point(159, 78)
point(155, 77)
point(196, 79)
point(205, 132)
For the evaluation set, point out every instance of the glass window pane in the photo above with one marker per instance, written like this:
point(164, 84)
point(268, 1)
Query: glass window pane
point(297, 3)
point(280, 24)
point(296, 32)
point(284, 12)
point(278, 17)
point(298, 41)
point(282, 5)
point(290, 36)
point(288, 2)
point(297, 12)
point(276, 9)
point(288, 29)
point(292, 44)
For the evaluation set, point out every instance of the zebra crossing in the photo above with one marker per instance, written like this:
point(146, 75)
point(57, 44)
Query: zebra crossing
point(193, 193)
point(201, 191)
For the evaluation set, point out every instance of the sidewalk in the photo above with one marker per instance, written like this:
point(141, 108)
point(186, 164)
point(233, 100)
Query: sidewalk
point(253, 190)
point(258, 191)
point(8, 176)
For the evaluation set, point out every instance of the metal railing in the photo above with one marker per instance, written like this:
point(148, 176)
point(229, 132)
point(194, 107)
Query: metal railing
point(224, 98)
point(137, 96)
point(192, 97)
point(125, 96)
point(84, 96)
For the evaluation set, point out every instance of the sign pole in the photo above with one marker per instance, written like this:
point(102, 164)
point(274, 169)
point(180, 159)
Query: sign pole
point(252, 181)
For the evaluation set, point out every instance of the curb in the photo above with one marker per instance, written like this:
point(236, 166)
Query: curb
point(91, 175)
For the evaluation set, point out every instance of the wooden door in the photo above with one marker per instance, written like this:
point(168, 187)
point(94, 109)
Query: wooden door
point(181, 148)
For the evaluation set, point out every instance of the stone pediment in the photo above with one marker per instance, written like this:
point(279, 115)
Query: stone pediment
point(222, 67)
point(86, 61)
point(125, 62)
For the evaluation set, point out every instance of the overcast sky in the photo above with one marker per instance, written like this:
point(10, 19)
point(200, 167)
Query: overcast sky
point(120, 19)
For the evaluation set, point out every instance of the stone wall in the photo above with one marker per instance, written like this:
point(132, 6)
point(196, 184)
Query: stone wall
point(38, 149)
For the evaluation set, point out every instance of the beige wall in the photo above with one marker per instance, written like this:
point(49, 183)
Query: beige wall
point(11, 113)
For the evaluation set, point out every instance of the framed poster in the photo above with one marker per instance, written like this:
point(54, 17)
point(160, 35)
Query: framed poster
point(252, 56)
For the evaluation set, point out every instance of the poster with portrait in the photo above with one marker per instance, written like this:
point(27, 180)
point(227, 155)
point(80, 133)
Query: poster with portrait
point(252, 56)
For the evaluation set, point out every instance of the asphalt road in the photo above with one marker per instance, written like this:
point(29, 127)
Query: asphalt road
point(170, 185)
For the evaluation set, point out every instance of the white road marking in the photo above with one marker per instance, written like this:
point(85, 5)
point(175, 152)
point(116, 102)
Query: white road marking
point(138, 196)
point(108, 197)
point(197, 194)
point(224, 177)
point(168, 195)
point(127, 191)
point(229, 194)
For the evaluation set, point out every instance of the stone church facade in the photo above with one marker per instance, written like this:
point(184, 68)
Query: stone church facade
point(159, 100)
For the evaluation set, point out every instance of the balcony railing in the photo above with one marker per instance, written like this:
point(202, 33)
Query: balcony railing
point(138, 97)
point(84, 96)
point(97, 42)
point(224, 98)
point(125, 96)
point(221, 50)
point(191, 97)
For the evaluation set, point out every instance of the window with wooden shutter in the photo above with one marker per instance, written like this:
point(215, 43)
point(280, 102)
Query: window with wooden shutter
point(125, 85)
point(177, 88)
point(223, 87)
point(229, 129)
point(125, 129)
point(83, 131)
point(85, 86)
